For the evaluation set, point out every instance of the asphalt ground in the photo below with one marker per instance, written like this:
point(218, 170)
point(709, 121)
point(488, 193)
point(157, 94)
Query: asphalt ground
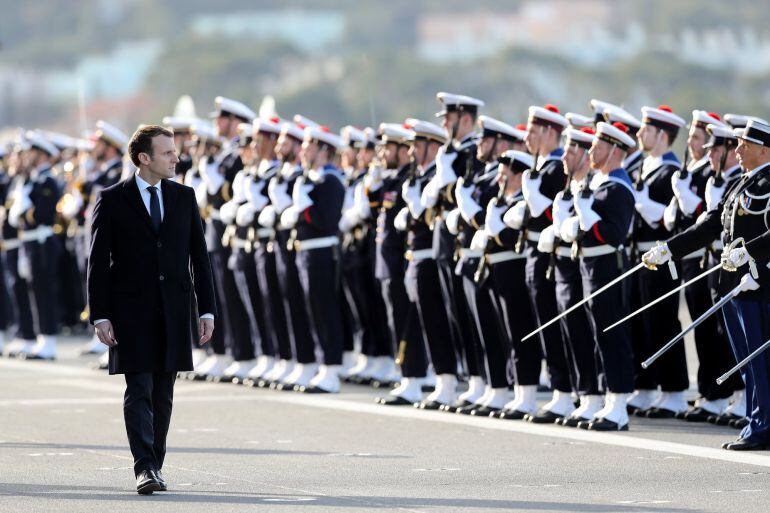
point(63, 448)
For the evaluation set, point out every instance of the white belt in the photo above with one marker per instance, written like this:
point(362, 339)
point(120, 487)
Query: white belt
point(533, 236)
point(504, 256)
point(695, 254)
point(470, 253)
point(604, 249)
point(263, 233)
point(214, 214)
point(645, 246)
point(564, 252)
point(420, 254)
point(321, 242)
point(39, 234)
point(244, 244)
point(9, 244)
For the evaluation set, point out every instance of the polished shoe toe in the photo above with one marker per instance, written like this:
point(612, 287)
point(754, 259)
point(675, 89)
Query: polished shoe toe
point(513, 415)
point(161, 481)
point(543, 417)
point(660, 413)
point(147, 482)
point(484, 411)
point(606, 425)
point(393, 400)
point(746, 445)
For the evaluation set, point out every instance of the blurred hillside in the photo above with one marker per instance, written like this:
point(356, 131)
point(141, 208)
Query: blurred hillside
point(64, 64)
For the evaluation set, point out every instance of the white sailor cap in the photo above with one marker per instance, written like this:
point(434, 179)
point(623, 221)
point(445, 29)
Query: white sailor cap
point(304, 122)
point(614, 114)
point(420, 129)
point(662, 116)
point(582, 137)
point(271, 125)
point(61, 141)
point(755, 132)
point(578, 120)
point(517, 161)
point(457, 102)
point(206, 132)
point(245, 133)
point(111, 135)
point(37, 140)
point(599, 107)
point(369, 142)
point(615, 134)
point(491, 127)
point(179, 123)
point(721, 135)
point(293, 130)
point(702, 118)
point(352, 136)
point(323, 135)
point(740, 121)
point(227, 106)
point(547, 115)
point(393, 133)
point(85, 144)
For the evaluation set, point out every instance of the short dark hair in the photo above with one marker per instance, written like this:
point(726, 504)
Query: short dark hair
point(141, 141)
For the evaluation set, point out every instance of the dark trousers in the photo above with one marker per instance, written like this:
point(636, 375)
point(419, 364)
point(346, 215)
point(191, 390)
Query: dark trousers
point(218, 262)
point(465, 340)
point(579, 340)
point(422, 282)
point(239, 342)
point(320, 284)
point(753, 316)
point(614, 358)
point(70, 280)
point(397, 308)
point(300, 344)
point(245, 276)
point(661, 324)
point(147, 412)
point(714, 355)
point(44, 260)
point(274, 315)
point(25, 328)
point(508, 285)
point(542, 295)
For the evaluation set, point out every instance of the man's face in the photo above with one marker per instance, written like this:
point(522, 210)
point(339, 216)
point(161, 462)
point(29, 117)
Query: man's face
point(749, 154)
point(162, 158)
point(715, 157)
point(484, 147)
point(284, 148)
point(534, 137)
point(695, 141)
point(348, 157)
point(391, 155)
point(100, 150)
point(417, 150)
point(364, 158)
point(598, 153)
point(573, 158)
point(247, 153)
point(448, 121)
point(308, 153)
point(226, 125)
point(647, 136)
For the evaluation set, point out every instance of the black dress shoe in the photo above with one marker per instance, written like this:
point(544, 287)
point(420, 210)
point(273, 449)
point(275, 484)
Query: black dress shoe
point(159, 477)
point(512, 415)
point(606, 425)
point(452, 408)
point(584, 424)
point(146, 483)
point(739, 423)
point(746, 445)
point(484, 411)
point(429, 405)
point(311, 389)
point(543, 417)
point(571, 421)
point(466, 410)
point(724, 419)
point(25, 356)
point(697, 414)
point(393, 400)
point(660, 413)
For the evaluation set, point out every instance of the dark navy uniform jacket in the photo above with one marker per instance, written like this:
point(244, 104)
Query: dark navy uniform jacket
point(700, 171)
point(614, 202)
point(44, 195)
point(658, 181)
point(322, 218)
point(390, 243)
point(419, 235)
point(552, 173)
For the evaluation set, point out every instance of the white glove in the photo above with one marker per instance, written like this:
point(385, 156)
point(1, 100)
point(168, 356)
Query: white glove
point(585, 213)
point(714, 194)
point(411, 195)
point(279, 195)
point(445, 173)
point(570, 229)
point(494, 219)
point(240, 183)
point(267, 217)
point(348, 220)
point(210, 174)
point(562, 209)
point(373, 179)
point(245, 214)
point(300, 195)
point(227, 212)
point(537, 202)
point(738, 257)
point(24, 265)
point(202, 195)
point(430, 193)
point(658, 255)
point(688, 200)
point(651, 211)
point(547, 240)
point(361, 203)
point(465, 202)
point(479, 240)
point(748, 283)
point(669, 214)
point(453, 221)
point(21, 203)
point(401, 219)
point(289, 217)
point(515, 216)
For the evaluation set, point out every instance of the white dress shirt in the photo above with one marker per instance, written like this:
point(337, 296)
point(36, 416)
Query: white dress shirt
point(146, 195)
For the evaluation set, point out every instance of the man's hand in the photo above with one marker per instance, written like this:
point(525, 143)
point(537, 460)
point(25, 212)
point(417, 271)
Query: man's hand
point(106, 334)
point(205, 330)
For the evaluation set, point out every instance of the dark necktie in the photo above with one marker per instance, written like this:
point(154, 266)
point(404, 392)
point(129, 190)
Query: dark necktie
point(154, 208)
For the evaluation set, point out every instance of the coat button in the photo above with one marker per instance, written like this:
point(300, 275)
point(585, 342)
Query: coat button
point(162, 278)
point(160, 244)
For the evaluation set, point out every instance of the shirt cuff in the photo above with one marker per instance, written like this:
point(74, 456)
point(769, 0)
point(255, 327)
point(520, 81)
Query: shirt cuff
point(97, 321)
point(207, 316)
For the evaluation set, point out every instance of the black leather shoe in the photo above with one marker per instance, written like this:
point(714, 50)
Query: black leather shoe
point(512, 415)
point(393, 400)
point(543, 417)
point(467, 409)
point(25, 356)
point(571, 421)
point(484, 411)
point(746, 445)
point(452, 408)
point(146, 483)
point(429, 405)
point(584, 424)
point(605, 425)
point(697, 414)
point(310, 389)
point(159, 477)
point(723, 420)
point(660, 413)
point(739, 423)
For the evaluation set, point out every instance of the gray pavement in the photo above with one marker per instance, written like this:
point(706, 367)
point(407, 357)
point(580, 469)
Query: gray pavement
point(63, 448)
